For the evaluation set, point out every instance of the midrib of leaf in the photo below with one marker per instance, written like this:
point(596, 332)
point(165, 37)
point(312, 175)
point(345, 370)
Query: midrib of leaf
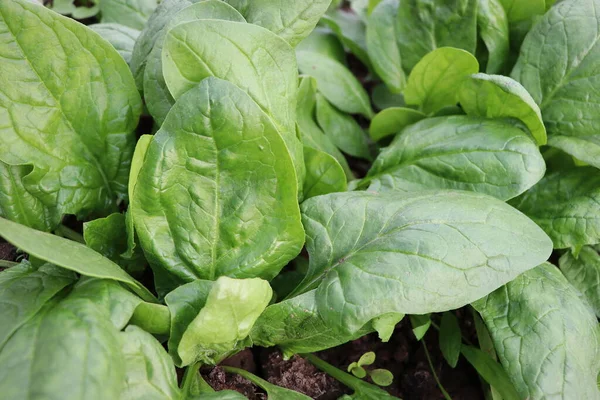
point(96, 163)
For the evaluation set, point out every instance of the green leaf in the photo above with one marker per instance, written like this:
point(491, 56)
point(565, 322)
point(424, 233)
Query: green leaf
point(557, 65)
point(583, 272)
point(517, 10)
point(150, 372)
point(491, 372)
point(382, 377)
point(273, 392)
point(450, 338)
point(67, 7)
point(382, 47)
point(496, 96)
point(383, 98)
point(343, 130)
point(334, 81)
point(420, 325)
point(493, 29)
point(366, 359)
point(158, 98)
point(153, 318)
point(475, 244)
point(351, 31)
point(232, 187)
point(385, 325)
point(435, 80)
point(121, 37)
point(546, 337)
point(212, 320)
point(250, 57)
point(131, 13)
point(569, 214)
point(68, 254)
point(293, 21)
point(358, 372)
point(425, 25)
point(393, 120)
point(18, 205)
point(459, 152)
point(64, 112)
point(323, 174)
point(323, 41)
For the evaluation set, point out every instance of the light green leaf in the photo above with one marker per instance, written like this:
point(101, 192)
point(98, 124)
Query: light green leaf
point(558, 66)
point(385, 325)
point(518, 10)
point(382, 47)
point(546, 337)
point(450, 338)
point(496, 96)
point(323, 174)
point(18, 205)
point(459, 152)
point(68, 254)
point(425, 25)
point(121, 37)
point(343, 130)
point(351, 31)
point(68, 107)
point(131, 13)
point(393, 120)
point(366, 359)
point(565, 205)
point(583, 272)
point(339, 86)
point(292, 20)
point(435, 80)
point(493, 29)
point(475, 244)
point(323, 41)
point(273, 392)
point(382, 377)
point(420, 325)
point(231, 187)
point(491, 372)
point(212, 320)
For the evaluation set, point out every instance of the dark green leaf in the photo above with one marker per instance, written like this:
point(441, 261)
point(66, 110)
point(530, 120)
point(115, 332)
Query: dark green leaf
point(450, 338)
point(491, 372)
point(493, 29)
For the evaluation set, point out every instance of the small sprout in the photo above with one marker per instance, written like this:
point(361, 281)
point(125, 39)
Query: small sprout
point(382, 377)
point(366, 359)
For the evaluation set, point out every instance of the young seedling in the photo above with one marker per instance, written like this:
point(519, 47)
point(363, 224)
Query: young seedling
point(379, 376)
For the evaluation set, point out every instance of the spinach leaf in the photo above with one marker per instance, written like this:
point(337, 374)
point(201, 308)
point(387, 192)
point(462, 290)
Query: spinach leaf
point(131, 13)
point(215, 176)
point(212, 320)
point(412, 253)
point(343, 130)
point(493, 29)
point(542, 330)
point(351, 31)
point(583, 272)
point(557, 65)
point(491, 372)
point(68, 254)
point(18, 205)
point(293, 21)
point(382, 46)
point(383, 98)
point(121, 37)
point(569, 214)
point(323, 174)
point(459, 152)
point(450, 338)
point(435, 80)
point(523, 10)
point(393, 120)
point(425, 25)
point(339, 86)
point(70, 108)
point(496, 96)
point(323, 41)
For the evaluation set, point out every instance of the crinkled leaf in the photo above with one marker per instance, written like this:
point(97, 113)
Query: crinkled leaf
point(131, 13)
point(546, 337)
point(68, 107)
point(121, 37)
point(393, 120)
point(493, 29)
point(219, 161)
point(496, 96)
point(435, 80)
point(412, 253)
point(459, 152)
point(323, 174)
point(583, 272)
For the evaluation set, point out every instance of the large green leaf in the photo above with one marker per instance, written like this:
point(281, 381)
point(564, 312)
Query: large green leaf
point(493, 29)
point(249, 57)
point(546, 337)
point(131, 13)
point(292, 20)
point(565, 205)
point(558, 66)
point(121, 37)
point(217, 193)
point(18, 205)
point(412, 253)
point(68, 107)
point(459, 152)
point(583, 272)
point(425, 25)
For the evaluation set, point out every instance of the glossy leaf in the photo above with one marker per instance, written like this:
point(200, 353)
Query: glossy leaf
point(543, 330)
point(121, 37)
point(583, 272)
point(570, 206)
point(131, 13)
point(475, 244)
point(459, 152)
point(435, 80)
point(323, 174)
point(393, 120)
point(193, 168)
point(450, 338)
point(69, 109)
point(493, 29)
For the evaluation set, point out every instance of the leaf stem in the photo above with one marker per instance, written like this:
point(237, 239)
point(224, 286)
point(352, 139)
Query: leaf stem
point(153, 318)
point(349, 380)
point(446, 395)
point(69, 233)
